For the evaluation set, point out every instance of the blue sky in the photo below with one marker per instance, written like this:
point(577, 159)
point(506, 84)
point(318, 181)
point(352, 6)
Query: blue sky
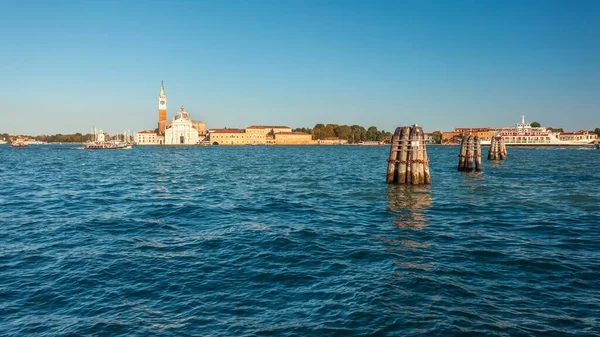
point(68, 66)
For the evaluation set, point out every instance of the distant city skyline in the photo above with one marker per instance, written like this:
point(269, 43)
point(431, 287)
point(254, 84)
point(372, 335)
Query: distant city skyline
point(68, 66)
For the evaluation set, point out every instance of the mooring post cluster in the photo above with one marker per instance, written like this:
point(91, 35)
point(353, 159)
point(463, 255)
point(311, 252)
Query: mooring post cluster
point(470, 153)
point(497, 149)
point(408, 162)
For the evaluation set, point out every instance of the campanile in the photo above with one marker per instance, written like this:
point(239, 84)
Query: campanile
point(162, 109)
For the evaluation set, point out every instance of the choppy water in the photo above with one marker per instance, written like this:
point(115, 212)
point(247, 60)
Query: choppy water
point(296, 241)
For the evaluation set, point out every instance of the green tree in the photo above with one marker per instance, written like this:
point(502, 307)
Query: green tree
point(329, 130)
point(305, 130)
point(358, 133)
point(317, 131)
point(536, 124)
point(343, 131)
point(372, 133)
point(597, 131)
point(437, 136)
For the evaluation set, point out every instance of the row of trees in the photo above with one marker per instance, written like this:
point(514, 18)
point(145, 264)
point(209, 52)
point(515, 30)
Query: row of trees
point(58, 138)
point(537, 125)
point(353, 133)
point(70, 138)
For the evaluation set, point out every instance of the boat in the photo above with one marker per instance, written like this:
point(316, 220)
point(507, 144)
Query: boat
point(100, 143)
point(523, 134)
point(371, 143)
point(19, 143)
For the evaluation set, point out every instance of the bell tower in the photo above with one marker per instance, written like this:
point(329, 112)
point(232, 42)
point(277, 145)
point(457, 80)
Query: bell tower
point(162, 109)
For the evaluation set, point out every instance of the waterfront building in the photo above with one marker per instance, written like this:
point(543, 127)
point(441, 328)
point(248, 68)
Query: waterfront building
point(266, 129)
point(256, 136)
point(429, 138)
point(181, 130)
point(146, 137)
point(292, 138)
point(228, 137)
point(450, 137)
point(484, 134)
point(578, 136)
point(259, 136)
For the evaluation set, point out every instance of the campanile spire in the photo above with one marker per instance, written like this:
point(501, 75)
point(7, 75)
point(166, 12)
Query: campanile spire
point(162, 109)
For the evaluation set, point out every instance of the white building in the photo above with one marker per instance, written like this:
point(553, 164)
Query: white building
point(146, 137)
point(181, 130)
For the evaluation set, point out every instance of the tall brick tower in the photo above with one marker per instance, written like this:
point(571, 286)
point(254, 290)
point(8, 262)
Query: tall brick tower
point(162, 109)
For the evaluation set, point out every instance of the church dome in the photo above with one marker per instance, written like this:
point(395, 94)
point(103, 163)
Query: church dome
point(182, 114)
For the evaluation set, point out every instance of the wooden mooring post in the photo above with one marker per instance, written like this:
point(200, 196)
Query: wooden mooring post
point(408, 162)
point(470, 155)
point(497, 148)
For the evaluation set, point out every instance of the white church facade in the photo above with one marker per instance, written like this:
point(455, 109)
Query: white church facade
point(181, 131)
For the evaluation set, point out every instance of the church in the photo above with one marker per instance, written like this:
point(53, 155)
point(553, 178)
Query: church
point(181, 130)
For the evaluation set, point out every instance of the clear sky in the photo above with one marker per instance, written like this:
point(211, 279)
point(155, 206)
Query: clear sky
point(68, 66)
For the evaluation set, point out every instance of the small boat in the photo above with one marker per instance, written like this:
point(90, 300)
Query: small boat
point(19, 143)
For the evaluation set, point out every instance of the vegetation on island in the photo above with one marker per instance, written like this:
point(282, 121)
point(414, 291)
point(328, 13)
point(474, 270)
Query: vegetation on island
point(535, 124)
point(57, 138)
point(351, 133)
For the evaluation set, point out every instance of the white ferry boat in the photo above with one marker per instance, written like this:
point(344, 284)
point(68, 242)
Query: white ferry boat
point(371, 143)
point(523, 134)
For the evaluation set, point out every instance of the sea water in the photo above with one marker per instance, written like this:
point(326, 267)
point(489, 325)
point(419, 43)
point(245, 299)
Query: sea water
point(296, 241)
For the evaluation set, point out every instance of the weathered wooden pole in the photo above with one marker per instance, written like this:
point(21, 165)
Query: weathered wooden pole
point(470, 149)
point(470, 154)
point(492, 148)
point(497, 148)
point(408, 162)
point(463, 154)
point(402, 165)
point(477, 154)
point(426, 175)
point(420, 150)
point(503, 152)
point(392, 164)
point(414, 155)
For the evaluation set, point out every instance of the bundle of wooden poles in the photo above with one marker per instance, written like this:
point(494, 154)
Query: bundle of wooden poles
point(408, 162)
point(497, 149)
point(470, 153)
